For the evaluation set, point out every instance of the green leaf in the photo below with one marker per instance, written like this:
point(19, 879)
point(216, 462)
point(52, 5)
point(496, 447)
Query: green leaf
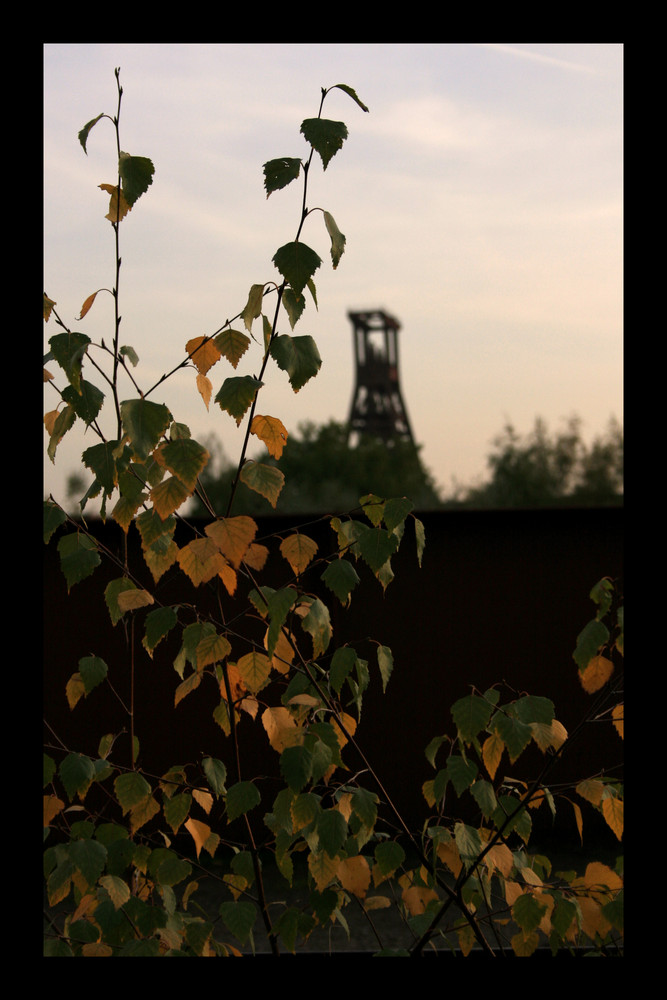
point(233, 344)
point(158, 624)
point(216, 774)
point(186, 459)
point(239, 918)
point(298, 356)
point(325, 136)
point(93, 671)
point(386, 664)
point(253, 306)
point(280, 172)
point(131, 788)
point(62, 424)
point(590, 640)
point(237, 394)
point(85, 131)
point(241, 798)
point(602, 593)
point(376, 546)
point(516, 735)
point(337, 239)
point(76, 773)
point(68, 350)
point(145, 423)
point(294, 305)
point(471, 715)
point(331, 831)
point(101, 459)
point(365, 806)
point(53, 518)
point(296, 765)
point(461, 773)
point(87, 402)
point(297, 263)
point(468, 842)
point(342, 664)
point(263, 479)
point(389, 856)
point(395, 512)
point(136, 175)
point(527, 912)
point(89, 858)
point(341, 578)
point(78, 557)
point(176, 810)
point(351, 93)
point(485, 797)
point(420, 536)
point(532, 708)
point(318, 624)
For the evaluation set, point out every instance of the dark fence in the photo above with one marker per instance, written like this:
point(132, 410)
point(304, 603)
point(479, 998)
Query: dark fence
point(501, 597)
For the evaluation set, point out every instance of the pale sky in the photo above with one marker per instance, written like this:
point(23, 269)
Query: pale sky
point(481, 199)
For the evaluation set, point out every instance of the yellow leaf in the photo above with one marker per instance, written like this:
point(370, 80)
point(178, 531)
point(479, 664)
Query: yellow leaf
point(212, 649)
point(228, 577)
point(449, 855)
point(355, 875)
point(233, 536)
point(350, 726)
point(596, 674)
point(600, 877)
point(52, 806)
point(466, 938)
point(523, 946)
point(617, 716)
point(377, 903)
point(298, 550)
point(128, 600)
point(272, 432)
point(203, 353)
point(254, 669)
point(323, 869)
point(205, 388)
point(143, 812)
point(48, 306)
point(115, 213)
point(281, 728)
point(168, 496)
point(591, 789)
point(88, 303)
point(492, 752)
point(612, 810)
point(200, 832)
point(417, 898)
point(499, 857)
point(592, 920)
point(50, 420)
point(203, 798)
point(201, 560)
point(256, 556)
point(283, 654)
point(75, 689)
point(159, 560)
point(186, 687)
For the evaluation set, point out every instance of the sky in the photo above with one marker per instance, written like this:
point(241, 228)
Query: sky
point(481, 198)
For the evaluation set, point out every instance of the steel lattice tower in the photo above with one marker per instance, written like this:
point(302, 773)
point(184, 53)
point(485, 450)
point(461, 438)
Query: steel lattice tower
point(377, 406)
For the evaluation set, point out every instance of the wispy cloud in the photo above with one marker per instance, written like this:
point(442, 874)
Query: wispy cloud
point(540, 57)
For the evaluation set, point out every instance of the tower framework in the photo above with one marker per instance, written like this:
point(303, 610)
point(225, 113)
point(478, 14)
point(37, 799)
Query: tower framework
point(377, 407)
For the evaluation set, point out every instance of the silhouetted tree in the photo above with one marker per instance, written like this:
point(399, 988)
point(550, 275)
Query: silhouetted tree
point(323, 474)
point(543, 470)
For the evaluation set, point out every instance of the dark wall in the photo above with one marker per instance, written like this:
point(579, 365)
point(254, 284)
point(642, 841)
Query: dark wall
point(501, 596)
